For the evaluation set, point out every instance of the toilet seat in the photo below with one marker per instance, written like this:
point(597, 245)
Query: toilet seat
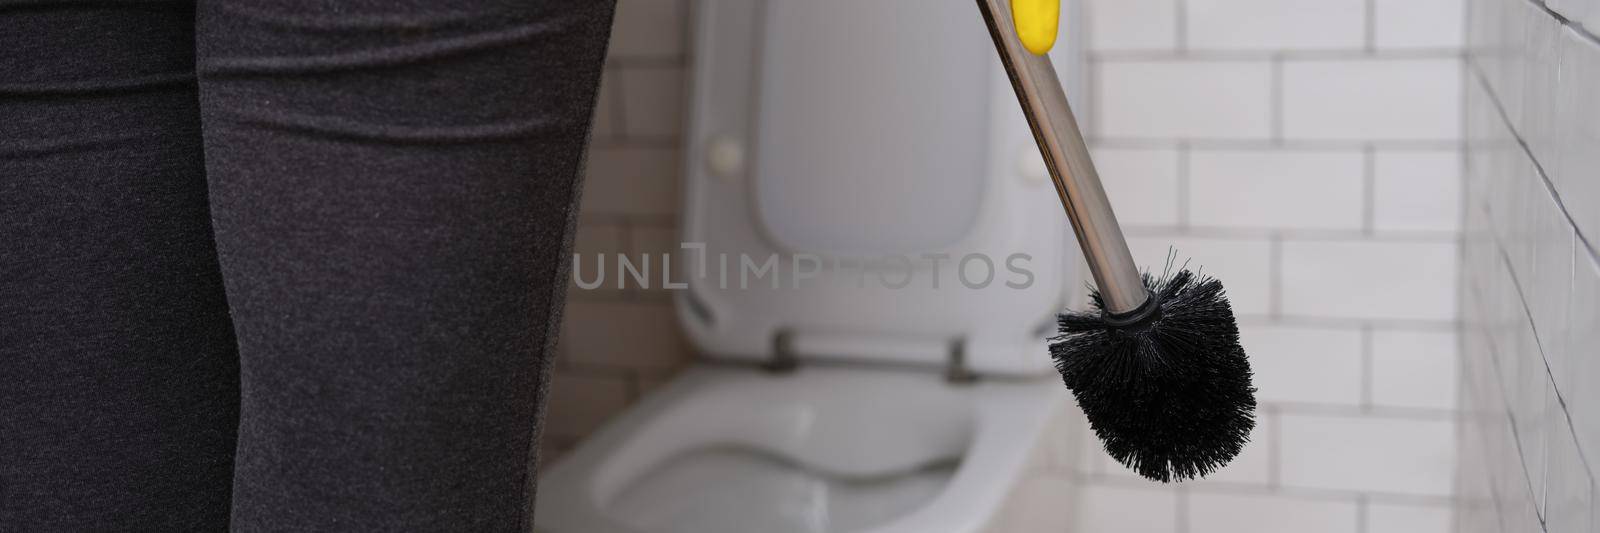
point(888, 137)
point(820, 419)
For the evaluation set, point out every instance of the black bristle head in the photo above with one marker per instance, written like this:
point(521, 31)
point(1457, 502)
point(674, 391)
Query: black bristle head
point(1170, 395)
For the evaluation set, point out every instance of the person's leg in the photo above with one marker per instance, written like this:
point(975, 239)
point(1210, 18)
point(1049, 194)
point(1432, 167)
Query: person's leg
point(393, 186)
point(118, 373)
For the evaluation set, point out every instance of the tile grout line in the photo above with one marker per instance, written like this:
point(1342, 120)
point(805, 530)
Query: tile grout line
point(1184, 186)
point(1370, 37)
point(1367, 362)
point(1181, 512)
point(1276, 109)
point(1180, 26)
point(1544, 177)
point(1275, 283)
point(1223, 54)
point(1275, 450)
point(1369, 183)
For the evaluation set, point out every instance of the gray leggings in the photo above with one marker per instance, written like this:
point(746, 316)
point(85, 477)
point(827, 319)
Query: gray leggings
point(284, 265)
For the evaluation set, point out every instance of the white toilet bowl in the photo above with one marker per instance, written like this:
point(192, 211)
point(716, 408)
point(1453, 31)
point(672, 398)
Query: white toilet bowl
point(841, 132)
point(819, 450)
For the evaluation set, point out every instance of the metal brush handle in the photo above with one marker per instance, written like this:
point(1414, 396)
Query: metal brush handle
point(1054, 128)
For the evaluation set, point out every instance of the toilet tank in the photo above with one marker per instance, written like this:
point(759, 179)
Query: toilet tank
point(861, 185)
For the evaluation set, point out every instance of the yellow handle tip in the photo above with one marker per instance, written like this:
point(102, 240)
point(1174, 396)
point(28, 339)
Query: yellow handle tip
point(1038, 22)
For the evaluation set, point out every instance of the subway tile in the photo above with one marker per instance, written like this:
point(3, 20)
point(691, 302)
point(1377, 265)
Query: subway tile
point(1183, 99)
point(1401, 24)
point(1591, 16)
point(1414, 369)
point(590, 334)
point(1369, 280)
point(1549, 282)
point(652, 29)
point(1505, 60)
point(653, 101)
point(1576, 381)
point(1270, 513)
point(1416, 190)
point(1540, 71)
point(1243, 265)
point(1376, 99)
point(1573, 10)
point(1275, 24)
point(1142, 184)
point(1124, 510)
point(1287, 189)
point(1388, 455)
point(1569, 489)
point(1035, 506)
point(1304, 364)
point(578, 404)
point(1132, 24)
point(631, 181)
point(1578, 127)
point(1528, 392)
point(1414, 518)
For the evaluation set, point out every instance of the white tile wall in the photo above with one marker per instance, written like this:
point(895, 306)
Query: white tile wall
point(1403, 24)
point(1289, 189)
point(631, 180)
point(1319, 175)
point(1275, 24)
point(1372, 99)
point(1416, 190)
point(1414, 369)
point(1354, 453)
point(1230, 513)
point(1183, 99)
point(1143, 184)
point(1129, 510)
point(1297, 364)
point(652, 99)
point(1391, 518)
point(1531, 277)
point(1132, 24)
point(1370, 279)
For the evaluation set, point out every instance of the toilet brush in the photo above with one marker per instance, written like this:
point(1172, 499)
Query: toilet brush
point(1156, 364)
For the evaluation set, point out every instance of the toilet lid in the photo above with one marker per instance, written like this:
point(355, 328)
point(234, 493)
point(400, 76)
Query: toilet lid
point(861, 184)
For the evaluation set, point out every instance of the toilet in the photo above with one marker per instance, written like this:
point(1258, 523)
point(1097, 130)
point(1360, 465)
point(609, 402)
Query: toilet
point(874, 255)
